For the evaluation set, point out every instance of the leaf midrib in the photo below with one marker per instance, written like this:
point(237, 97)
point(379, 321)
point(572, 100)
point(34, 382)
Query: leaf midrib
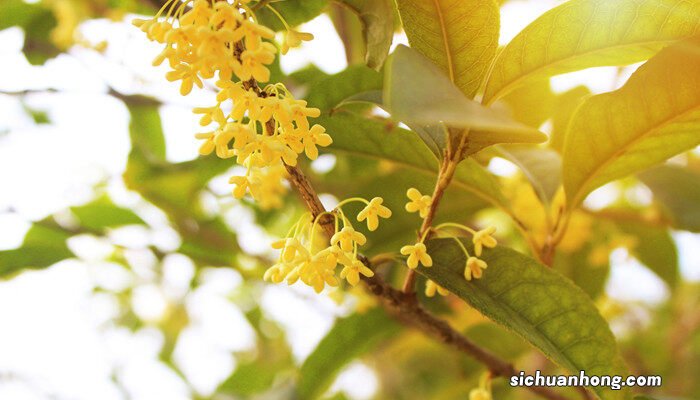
point(626, 146)
point(443, 30)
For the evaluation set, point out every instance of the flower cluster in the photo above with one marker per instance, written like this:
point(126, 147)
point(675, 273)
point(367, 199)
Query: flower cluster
point(263, 128)
point(418, 253)
point(306, 254)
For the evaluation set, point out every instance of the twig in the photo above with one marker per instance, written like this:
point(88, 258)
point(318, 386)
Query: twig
point(405, 308)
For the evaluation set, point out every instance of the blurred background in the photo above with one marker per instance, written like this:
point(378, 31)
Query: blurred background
point(114, 285)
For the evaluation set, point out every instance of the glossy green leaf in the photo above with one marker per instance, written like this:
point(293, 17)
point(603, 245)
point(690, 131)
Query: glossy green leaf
point(656, 115)
point(330, 92)
point(417, 92)
point(654, 248)
point(349, 339)
point(544, 308)
point(460, 36)
point(541, 166)
point(359, 136)
point(102, 213)
point(678, 191)
point(43, 245)
point(581, 34)
point(377, 17)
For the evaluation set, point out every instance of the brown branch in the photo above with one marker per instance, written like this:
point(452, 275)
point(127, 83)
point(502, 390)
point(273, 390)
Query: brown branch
point(406, 309)
point(448, 166)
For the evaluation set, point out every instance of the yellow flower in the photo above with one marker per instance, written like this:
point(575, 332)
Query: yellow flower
point(372, 212)
point(352, 272)
point(317, 136)
point(431, 288)
point(483, 238)
point(301, 113)
point(294, 38)
point(291, 249)
point(480, 394)
point(253, 63)
point(319, 271)
point(241, 183)
point(417, 253)
point(210, 114)
point(419, 203)
point(188, 75)
point(254, 33)
point(347, 237)
point(474, 268)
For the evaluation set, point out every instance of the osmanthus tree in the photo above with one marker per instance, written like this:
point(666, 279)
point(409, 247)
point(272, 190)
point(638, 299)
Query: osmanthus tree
point(423, 236)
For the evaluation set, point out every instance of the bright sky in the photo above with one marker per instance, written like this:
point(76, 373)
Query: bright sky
point(56, 336)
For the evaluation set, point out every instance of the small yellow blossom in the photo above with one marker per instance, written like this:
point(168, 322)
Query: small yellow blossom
point(241, 183)
point(347, 237)
point(431, 288)
point(372, 212)
point(294, 38)
point(474, 268)
point(480, 394)
point(482, 239)
point(417, 253)
point(419, 203)
point(263, 128)
point(352, 272)
point(316, 136)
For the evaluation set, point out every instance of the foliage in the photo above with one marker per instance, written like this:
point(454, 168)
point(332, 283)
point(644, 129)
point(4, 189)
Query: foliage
point(432, 117)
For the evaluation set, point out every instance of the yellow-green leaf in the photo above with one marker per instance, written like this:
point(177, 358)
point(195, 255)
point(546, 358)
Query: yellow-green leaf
point(358, 136)
point(581, 34)
point(678, 191)
point(461, 36)
point(543, 307)
point(656, 115)
point(417, 92)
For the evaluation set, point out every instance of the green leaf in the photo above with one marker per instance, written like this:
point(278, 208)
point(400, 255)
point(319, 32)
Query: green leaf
point(38, 47)
point(656, 115)
point(172, 187)
point(332, 91)
point(295, 12)
point(460, 36)
point(678, 191)
point(18, 13)
point(358, 136)
point(656, 249)
point(377, 17)
point(175, 188)
point(43, 245)
point(417, 92)
point(349, 339)
point(582, 34)
point(102, 213)
point(541, 166)
point(500, 341)
point(531, 104)
point(579, 267)
point(544, 308)
point(565, 106)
